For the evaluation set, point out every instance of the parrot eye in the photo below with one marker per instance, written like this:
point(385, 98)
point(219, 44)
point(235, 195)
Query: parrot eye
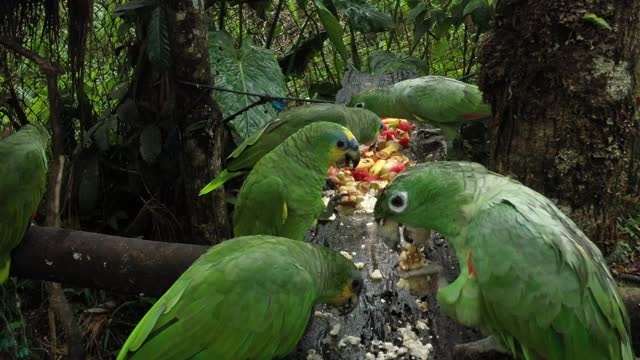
point(356, 285)
point(398, 202)
point(341, 144)
point(360, 105)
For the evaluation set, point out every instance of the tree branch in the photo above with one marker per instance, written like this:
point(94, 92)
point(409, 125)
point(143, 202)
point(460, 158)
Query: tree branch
point(45, 65)
point(92, 260)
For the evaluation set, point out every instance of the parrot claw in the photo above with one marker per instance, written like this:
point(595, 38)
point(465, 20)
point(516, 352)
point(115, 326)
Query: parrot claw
point(331, 206)
point(483, 348)
point(428, 269)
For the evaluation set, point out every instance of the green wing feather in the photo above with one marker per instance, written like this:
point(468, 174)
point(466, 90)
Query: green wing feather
point(442, 100)
point(244, 299)
point(364, 124)
point(543, 283)
point(261, 207)
point(23, 165)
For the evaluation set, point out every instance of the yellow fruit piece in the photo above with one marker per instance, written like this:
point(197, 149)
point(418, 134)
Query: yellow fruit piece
point(382, 155)
point(392, 147)
point(365, 164)
point(377, 168)
point(391, 121)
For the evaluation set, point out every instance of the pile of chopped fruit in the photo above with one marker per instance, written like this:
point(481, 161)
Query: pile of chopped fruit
point(378, 165)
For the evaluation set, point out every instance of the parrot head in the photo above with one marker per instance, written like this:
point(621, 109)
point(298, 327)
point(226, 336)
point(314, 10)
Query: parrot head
point(376, 100)
point(343, 282)
point(343, 144)
point(366, 125)
point(426, 196)
point(346, 293)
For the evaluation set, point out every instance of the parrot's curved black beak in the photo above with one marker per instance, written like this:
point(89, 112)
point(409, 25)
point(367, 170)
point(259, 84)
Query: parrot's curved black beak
point(350, 304)
point(353, 156)
point(389, 232)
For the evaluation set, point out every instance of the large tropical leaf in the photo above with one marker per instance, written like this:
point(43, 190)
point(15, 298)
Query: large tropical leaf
point(294, 61)
point(158, 39)
point(385, 62)
point(364, 17)
point(249, 69)
point(333, 28)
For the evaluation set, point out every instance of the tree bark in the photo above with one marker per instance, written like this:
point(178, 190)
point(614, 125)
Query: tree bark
point(84, 259)
point(563, 91)
point(202, 145)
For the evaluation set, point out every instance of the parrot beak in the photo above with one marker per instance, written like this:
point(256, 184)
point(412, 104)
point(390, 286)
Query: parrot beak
point(353, 155)
point(416, 236)
point(389, 232)
point(350, 304)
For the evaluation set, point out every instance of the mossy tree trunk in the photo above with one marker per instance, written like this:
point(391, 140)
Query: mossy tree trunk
point(200, 121)
point(564, 92)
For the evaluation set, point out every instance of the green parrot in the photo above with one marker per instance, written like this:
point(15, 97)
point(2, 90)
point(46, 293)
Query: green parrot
point(246, 298)
point(364, 124)
point(528, 275)
point(439, 101)
point(282, 195)
point(23, 165)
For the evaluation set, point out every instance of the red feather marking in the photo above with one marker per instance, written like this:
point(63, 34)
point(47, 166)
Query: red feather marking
point(473, 116)
point(33, 216)
point(471, 269)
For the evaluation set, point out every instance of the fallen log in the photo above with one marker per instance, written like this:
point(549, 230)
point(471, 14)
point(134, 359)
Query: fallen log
point(85, 259)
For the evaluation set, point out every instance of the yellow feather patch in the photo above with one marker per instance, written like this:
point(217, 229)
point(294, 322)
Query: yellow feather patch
point(336, 154)
point(348, 133)
point(345, 295)
point(285, 212)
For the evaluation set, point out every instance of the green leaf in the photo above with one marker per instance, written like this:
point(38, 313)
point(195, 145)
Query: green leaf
point(128, 111)
point(419, 9)
point(158, 39)
point(384, 62)
point(473, 5)
point(260, 7)
point(101, 132)
point(597, 20)
point(249, 69)
point(150, 143)
point(435, 21)
point(130, 7)
point(364, 17)
point(294, 62)
point(333, 28)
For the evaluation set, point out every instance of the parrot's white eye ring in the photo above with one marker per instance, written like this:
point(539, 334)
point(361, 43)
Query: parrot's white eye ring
point(360, 105)
point(398, 201)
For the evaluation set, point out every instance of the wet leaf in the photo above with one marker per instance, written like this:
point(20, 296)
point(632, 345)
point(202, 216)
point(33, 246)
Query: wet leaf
point(249, 69)
point(333, 28)
point(597, 20)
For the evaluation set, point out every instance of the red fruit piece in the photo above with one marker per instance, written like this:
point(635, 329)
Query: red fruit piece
point(385, 126)
point(397, 167)
point(360, 174)
point(389, 134)
point(372, 178)
point(404, 141)
point(404, 125)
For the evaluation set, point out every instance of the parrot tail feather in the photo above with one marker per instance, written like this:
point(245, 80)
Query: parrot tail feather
point(219, 180)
